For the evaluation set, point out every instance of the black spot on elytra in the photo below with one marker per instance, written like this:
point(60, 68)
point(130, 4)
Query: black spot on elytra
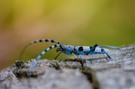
point(80, 48)
point(90, 47)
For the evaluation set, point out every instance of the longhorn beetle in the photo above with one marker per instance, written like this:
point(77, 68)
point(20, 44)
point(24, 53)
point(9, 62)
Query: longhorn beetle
point(67, 49)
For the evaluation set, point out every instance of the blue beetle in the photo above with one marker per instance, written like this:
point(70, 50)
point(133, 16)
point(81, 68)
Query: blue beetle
point(68, 49)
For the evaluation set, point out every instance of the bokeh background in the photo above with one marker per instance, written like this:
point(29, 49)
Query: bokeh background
point(76, 22)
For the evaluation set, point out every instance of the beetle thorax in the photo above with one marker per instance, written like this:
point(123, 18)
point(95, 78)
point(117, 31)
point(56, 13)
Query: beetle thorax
point(68, 49)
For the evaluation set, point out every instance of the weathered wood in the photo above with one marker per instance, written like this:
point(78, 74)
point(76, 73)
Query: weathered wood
point(97, 73)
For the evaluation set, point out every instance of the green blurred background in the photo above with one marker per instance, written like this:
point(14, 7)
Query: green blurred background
point(76, 22)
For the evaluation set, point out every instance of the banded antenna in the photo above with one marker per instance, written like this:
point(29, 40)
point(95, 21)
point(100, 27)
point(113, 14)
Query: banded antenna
point(34, 42)
point(46, 50)
point(34, 63)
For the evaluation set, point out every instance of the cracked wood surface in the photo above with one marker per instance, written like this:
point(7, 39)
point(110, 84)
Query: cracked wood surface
point(98, 73)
